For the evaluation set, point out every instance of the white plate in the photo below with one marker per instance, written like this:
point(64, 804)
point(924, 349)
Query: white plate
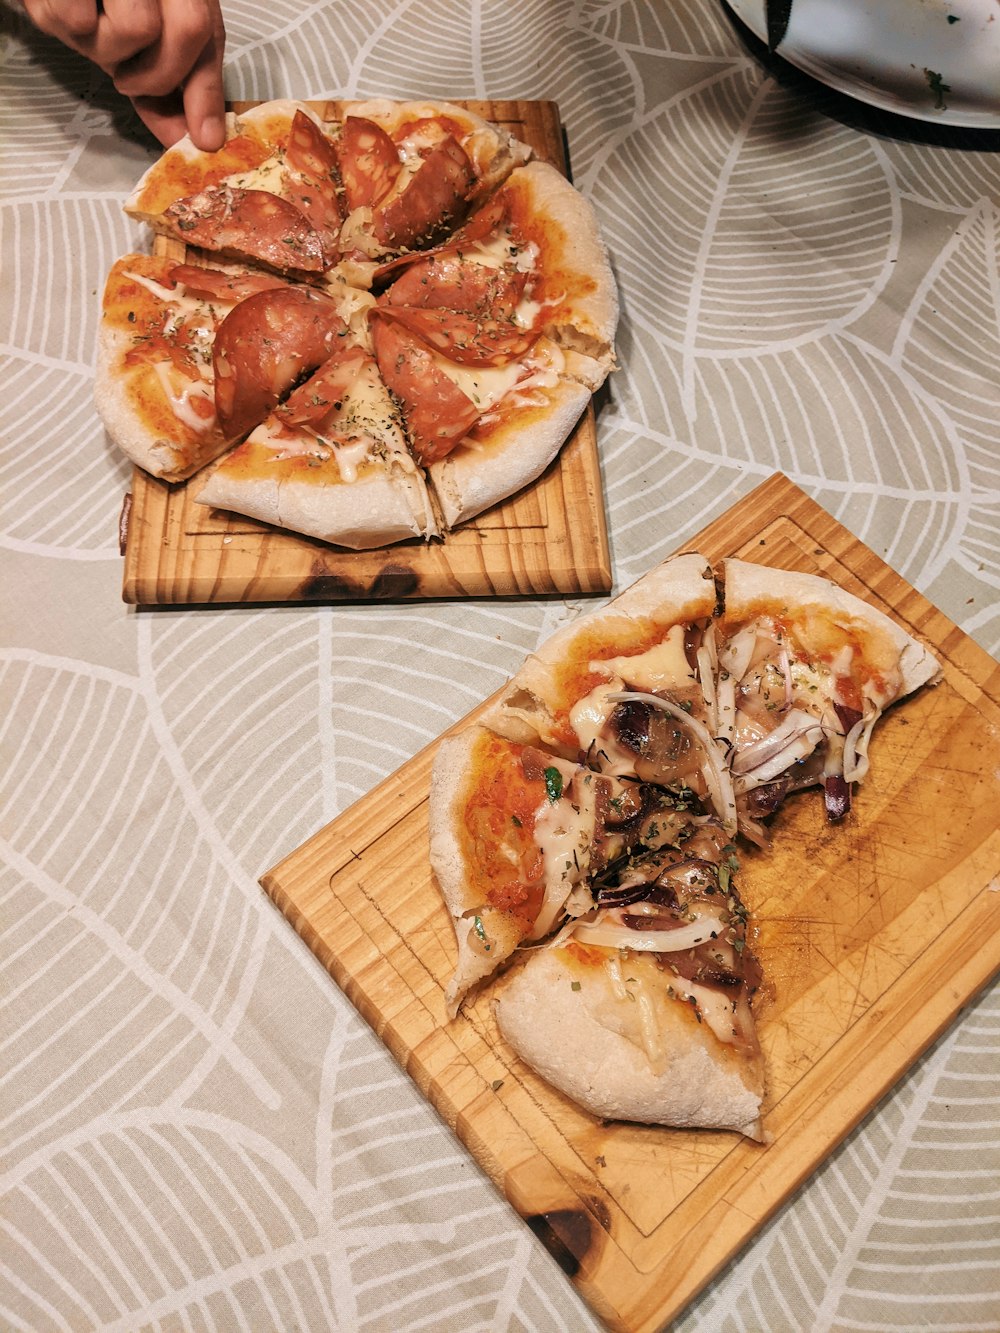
point(936, 60)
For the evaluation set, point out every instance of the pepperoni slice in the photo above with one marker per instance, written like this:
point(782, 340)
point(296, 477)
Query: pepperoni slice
point(263, 346)
point(449, 279)
point(315, 402)
point(435, 197)
point(310, 180)
point(466, 339)
point(215, 285)
point(369, 162)
point(249, 224)
point(487, 221)
point(438, 414)
point(309, 151)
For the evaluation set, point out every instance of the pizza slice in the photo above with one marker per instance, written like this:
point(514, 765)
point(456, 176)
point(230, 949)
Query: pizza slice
point(410, 171)
point(191, 359)
point(329, 462)
point(518, 835)
point(574, 696)
point(806, 669)
point(527, 807)
point(641, 1009)
point(154, 379)
point(495, 343)
point(268, 196)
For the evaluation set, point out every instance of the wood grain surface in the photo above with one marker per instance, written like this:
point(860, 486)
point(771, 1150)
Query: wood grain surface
point(872, 934)
point(549, 538)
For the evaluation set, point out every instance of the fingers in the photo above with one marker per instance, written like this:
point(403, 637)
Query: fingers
point(163, 117)
point(199, 110)
point(204, 96)
point(176, 85)
point(71, 21)
point(106, 34)
point(166, 55)
point(162, 65)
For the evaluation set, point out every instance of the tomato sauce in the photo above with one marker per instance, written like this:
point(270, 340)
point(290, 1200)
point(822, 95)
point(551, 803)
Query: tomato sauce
point(498, 826)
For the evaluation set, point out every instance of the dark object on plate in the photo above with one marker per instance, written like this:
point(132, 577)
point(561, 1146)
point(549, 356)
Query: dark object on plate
point(778, 14)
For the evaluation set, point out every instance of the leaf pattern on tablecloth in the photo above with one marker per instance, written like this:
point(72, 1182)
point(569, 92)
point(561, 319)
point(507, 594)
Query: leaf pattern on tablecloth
point(317, 726)
point(68, 500)
point(680, 29)
point(162, 987)
point(737, 246)
point(955, 182)
point(958, 359)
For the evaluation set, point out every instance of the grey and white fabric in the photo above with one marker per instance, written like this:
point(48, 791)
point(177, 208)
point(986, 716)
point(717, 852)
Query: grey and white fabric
point(199, 1131)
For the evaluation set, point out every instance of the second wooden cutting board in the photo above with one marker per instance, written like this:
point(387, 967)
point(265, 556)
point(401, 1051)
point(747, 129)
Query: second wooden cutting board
point(872, 935)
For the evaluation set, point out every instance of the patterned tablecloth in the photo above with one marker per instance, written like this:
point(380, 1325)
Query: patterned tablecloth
point(199, 1131)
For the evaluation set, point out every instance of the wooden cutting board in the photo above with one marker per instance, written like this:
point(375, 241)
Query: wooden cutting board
point(872, 934)
point(549, 538)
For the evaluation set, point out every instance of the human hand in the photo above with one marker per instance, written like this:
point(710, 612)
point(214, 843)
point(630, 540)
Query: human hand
point(164, 55)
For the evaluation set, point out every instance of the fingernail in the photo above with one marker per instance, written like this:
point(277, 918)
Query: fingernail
point(213, 132)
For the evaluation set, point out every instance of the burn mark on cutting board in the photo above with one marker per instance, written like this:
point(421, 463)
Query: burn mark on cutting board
point(395, 581)
point(568, 1233)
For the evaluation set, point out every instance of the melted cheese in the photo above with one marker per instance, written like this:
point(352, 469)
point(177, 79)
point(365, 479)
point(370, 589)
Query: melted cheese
point(661, 668)
point(486, 386)
point(269, 176)
point(588, 717)
point(167, 294)
point(180, 305)
point(362, 429)
point(498, 250)
point(640, 990)
point(181, 394)
point(564, 833)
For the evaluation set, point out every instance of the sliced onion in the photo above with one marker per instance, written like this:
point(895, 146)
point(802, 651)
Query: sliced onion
point(795, 737)
point(733, 661)
point(725, 705)
point(856, 747)
point(556, 893)
point(609, 935)
point(786, 672)
point(707, 660)
point(737, 654)
point(716, 774)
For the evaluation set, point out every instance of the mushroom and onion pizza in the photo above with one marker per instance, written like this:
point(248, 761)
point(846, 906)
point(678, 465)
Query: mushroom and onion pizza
point(585, 831)
point(401, 318)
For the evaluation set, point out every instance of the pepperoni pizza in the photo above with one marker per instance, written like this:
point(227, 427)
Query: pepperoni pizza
point(400, 320)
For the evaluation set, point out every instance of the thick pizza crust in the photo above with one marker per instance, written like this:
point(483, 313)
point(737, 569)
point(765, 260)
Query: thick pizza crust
point(748, 585)
point(680, 590)
point(450, 775)
point(573, 249)
point(567, 1024)
point(158, 455)
point(369, 512)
